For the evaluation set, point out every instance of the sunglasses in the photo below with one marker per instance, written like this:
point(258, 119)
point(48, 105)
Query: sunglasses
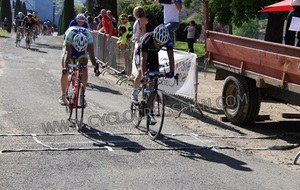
point(123, 18)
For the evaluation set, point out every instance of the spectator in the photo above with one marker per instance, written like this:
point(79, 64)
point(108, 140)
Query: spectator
point(79, 20)
point(124, 21)
point(290, 35)
point(122, 41)
point(191, 30)
point(131, 20)
point(107, 25)
point(91, 24)
point(141, 24)
point(171, 15)
point(113, 20)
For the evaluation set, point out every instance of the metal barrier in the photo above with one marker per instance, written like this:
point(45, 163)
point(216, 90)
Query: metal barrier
point(118, 60)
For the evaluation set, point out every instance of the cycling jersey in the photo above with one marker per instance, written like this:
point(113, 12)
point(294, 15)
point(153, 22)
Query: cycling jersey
point(28, 22)
point(69, 35)
point(74, 23)
point(146, 44)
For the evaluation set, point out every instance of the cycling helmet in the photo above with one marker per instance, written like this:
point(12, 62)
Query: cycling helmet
point(33, 14)
point(80, 42)
point(80, 17)
point(29, 14)
point(161, 34)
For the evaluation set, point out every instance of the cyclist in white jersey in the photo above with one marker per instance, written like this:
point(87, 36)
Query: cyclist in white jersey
point(78, 41)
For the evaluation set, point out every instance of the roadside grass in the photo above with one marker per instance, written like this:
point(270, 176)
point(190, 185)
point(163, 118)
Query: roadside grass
point(198, 48)
point(3, 33)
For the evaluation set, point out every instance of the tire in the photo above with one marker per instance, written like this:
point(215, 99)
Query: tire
point(69, 97)
point(80, 107)
point(235, 99)
point(254, 101)
point(157, 100)
point(136, 114)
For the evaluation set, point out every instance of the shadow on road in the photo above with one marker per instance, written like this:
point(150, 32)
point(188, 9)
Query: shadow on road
point(104, 139)
point(93, 87)
point(195, 152)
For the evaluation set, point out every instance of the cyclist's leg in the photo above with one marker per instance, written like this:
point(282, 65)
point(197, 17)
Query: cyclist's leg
point(172, 27)
point(67, 50)
point(136, 82)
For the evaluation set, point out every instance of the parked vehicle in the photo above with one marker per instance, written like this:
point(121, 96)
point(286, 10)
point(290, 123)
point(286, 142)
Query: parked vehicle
point(253, 70)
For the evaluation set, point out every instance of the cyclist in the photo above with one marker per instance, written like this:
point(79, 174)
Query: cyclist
point(79, 20)
point(77, 41)
point(28, 24)
point(146, 57)
point(36, 24)
point(19, 22)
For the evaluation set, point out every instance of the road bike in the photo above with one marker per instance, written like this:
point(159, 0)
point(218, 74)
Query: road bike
point(19, 35)
point(28, 38)
point(151, 105)
point(75, 94)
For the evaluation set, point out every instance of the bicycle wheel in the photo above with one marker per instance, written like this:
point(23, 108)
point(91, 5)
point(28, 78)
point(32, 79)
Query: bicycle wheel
point(156, 110)
point(69, 97)
point(27, 41)
point(18, 39)
point(80, 107)
point(136, 114)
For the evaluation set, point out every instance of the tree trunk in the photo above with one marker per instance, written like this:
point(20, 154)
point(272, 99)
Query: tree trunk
point(274, 30)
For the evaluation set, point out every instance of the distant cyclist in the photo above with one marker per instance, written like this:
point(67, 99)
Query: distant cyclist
point(79, 20)
point(28, 24)
point(146, 57)
point(18, 22)
point(36, 24)
point(78, 41)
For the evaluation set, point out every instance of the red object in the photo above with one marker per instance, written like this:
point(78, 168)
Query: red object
point(282, 6)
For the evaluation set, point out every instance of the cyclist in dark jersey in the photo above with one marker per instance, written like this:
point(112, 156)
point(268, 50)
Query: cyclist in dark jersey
point(28, 24)
point(146, 56)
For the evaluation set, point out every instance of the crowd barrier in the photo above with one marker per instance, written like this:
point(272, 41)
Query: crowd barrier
point(119, 60)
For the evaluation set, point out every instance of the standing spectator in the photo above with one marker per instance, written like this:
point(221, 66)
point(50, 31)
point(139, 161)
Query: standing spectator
point(141, 24)
point(191, 30)
point(91, 24)
point(131, 20)
point(113, 20)
point(124, 21)
point(290, 35)
point(107, 25)
point(171, 15)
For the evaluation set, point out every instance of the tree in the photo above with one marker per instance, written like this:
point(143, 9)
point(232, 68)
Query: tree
point(67, 16)
point(248, 29)
point(18, 7)
point(23, 8)
point(6, 12)
point(89, 6)
point(237, 12)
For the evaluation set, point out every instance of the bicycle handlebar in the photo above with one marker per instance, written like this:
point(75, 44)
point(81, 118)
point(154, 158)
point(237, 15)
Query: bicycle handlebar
point(149, 74)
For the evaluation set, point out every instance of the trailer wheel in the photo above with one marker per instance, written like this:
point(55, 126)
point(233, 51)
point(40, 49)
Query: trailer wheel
point(235, 97)
point(254, 101)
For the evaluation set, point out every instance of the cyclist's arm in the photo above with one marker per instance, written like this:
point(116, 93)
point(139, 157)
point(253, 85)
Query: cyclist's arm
point(90, 50)
point(144, 57)
point(170, 53)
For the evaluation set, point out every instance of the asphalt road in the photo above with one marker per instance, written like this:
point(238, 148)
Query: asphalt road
point(36, 153)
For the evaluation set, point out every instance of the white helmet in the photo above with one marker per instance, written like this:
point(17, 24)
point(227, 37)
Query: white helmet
point(80, 17)
point(80, 42)
point(161, 34)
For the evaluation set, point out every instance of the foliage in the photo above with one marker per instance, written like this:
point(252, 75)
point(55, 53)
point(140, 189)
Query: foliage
point(236, 11)
point(18, 7)
point(24, 8)
point(248, 29)
point(67, 16)
point(154, 12)
point(6, 12)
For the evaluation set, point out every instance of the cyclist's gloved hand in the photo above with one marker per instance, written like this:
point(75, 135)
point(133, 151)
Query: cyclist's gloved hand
point(170, 74)
point(143, 79)
point(64, 71)
point(96, 70)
